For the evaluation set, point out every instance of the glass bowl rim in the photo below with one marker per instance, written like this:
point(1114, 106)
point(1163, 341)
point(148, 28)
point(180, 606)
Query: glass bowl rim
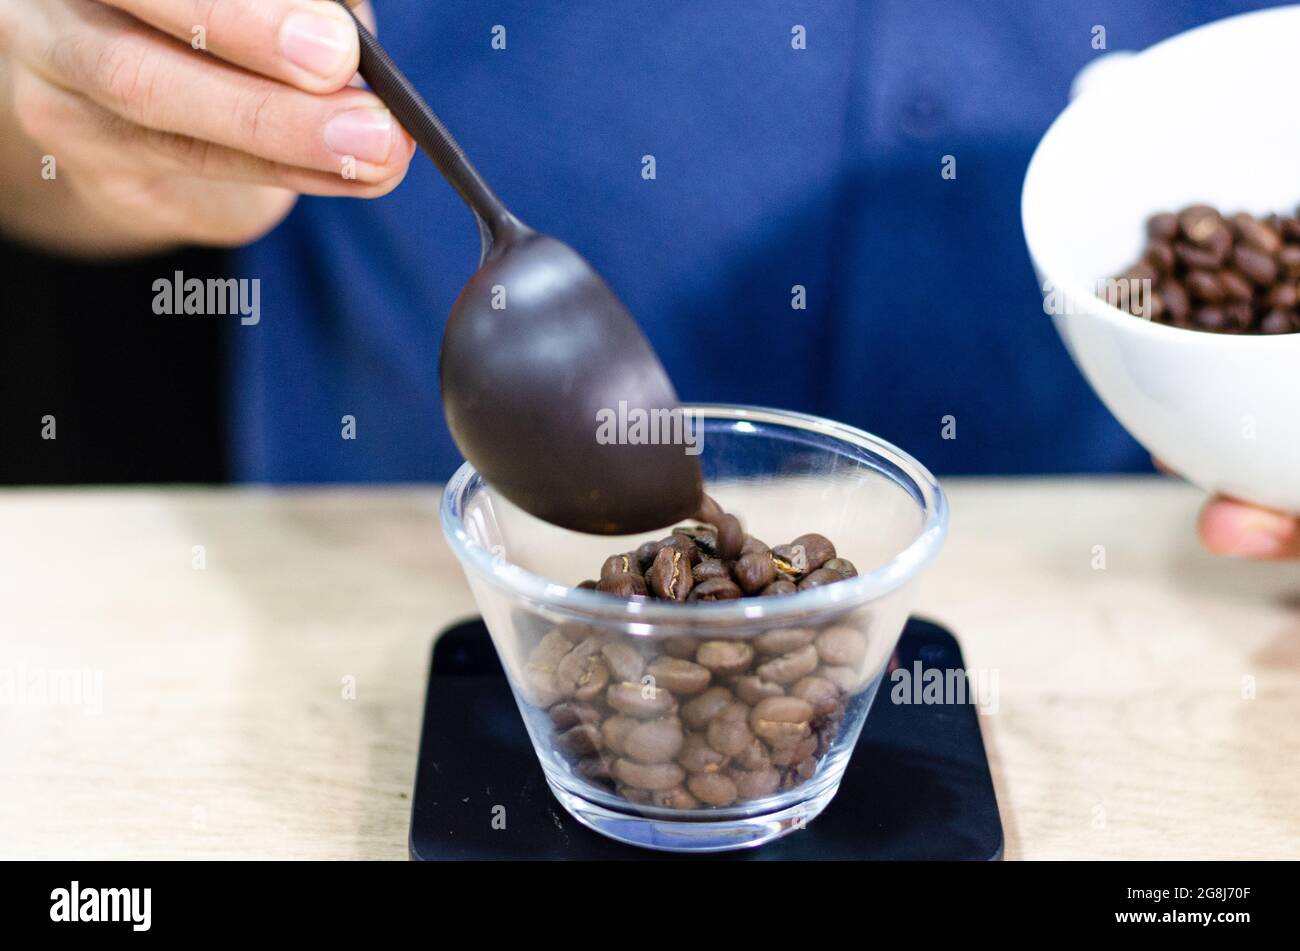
point(585, 604)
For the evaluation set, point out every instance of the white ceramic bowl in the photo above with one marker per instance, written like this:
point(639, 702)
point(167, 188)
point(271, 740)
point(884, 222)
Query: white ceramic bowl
point(1207, 116)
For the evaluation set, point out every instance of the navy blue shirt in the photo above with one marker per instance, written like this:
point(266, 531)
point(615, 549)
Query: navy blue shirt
point(774, 167)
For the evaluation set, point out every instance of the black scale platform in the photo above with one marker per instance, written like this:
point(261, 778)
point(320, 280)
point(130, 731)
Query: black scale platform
point(917, 787)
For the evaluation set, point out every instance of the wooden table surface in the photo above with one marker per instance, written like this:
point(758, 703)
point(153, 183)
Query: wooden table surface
point(268, 703)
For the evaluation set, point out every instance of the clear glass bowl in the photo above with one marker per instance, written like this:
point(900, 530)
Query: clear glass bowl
point(784, 474)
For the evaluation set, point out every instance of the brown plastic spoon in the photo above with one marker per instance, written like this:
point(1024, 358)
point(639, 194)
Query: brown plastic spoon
point(538, 356)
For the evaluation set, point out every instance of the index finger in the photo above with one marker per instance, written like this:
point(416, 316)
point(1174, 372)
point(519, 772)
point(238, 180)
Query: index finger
point(310, 44)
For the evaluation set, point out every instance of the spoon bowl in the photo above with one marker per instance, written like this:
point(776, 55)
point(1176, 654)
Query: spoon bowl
point(540, 360)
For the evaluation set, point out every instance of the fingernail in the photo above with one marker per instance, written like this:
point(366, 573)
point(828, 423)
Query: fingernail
point(318, 44)
point(364, 134)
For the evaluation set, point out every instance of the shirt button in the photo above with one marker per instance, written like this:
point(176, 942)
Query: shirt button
point(922, 115)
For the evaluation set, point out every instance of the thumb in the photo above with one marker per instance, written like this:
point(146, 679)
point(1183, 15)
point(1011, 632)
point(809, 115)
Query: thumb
point(1229, 527)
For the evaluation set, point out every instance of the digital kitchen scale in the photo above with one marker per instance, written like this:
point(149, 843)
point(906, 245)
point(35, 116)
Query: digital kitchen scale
point(917, 786)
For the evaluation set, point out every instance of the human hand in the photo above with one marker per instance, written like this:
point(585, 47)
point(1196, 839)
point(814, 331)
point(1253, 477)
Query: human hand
point(165, 143)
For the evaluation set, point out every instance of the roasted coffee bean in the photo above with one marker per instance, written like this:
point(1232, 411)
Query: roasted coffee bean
point(842, 567)
point(778, 587)
point(1204, 286)
point(754, 546)
point(571, 712)
point(698, 711)
point(1177, 305)
point(683, 647)
point(1256, 234)
point(614, 731)
point(1191, 256)
point(729, 732)
point(802, 771)
point(704, 538)
point(1289, 260)
point(682, 677)
point(1283, 296)
point(1238, 315)
point(625, 585)
point(753, 688)
point(1142, 299)
point(1210, 318)
point(624, 661)
point(715, 589)
point(1235, 287)
point(649, 776)
point(790, 560)
point(818, 578)
point(638, 797)
point(730, 537)
point(712, 789)
point(1255, 265)
point(819, 549)
point(792, 752)
point(1143, 273)
point(754, 572)
point(697, 756)
point(846, 678)
point(1155, 307)
point(676, 798)
point(791, 667)
point(581, 674)
point(1219, 243)
point(783, 640)
point(1277, 322)
point(540, 687)
point(841, 646)
point(598, 767)
point(670, 575)
point(583, 678)
point(641, 701)
point(1199, 223)
point(581, 740)
point(549, 650)
point(755, 784)
point(683, 544)
point(1162, 227)
point(827, 729)
point(754, 756)
point(778, 720)
point(655, 741)
point(576, 632)
point(818, 691)
point(540, 672)
point(708, 569)
point(619, 565)
point(725, 658)
point(1160, 256)
point(589, 584)
point(645, 555)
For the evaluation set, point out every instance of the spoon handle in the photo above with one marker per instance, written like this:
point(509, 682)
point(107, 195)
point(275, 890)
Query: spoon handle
point(395, 90)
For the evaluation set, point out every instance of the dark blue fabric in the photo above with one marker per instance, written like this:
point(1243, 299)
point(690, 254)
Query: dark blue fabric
point(775, 167)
